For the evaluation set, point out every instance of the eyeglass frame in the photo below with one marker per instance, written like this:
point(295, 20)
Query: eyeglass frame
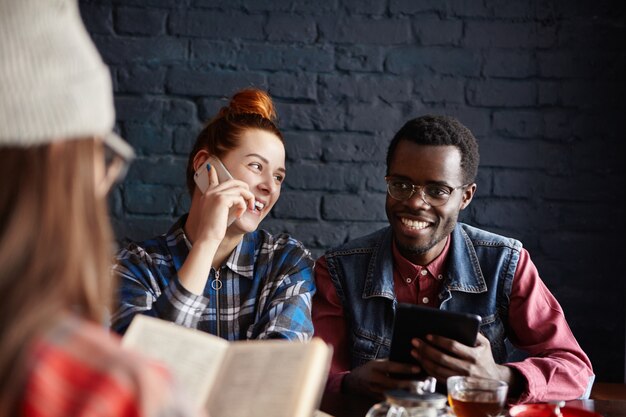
point(421, 188)
point(122, 153)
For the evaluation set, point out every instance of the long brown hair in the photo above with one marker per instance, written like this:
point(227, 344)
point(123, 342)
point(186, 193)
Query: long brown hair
point(55, 247)
point(249, 108)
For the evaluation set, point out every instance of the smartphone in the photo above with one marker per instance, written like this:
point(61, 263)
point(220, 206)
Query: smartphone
point(201, 176)
point(222, 173)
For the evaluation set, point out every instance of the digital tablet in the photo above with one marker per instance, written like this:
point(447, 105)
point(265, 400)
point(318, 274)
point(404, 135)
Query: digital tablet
point(418, 321)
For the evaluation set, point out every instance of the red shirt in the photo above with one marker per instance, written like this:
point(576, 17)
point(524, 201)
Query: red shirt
point(79, 369)
point(556, 368)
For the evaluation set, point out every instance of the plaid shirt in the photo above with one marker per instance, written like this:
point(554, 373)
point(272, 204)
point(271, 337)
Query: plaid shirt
point(266, 290)
point(78, 369)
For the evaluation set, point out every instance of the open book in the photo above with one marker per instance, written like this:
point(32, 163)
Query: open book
point(237, 379)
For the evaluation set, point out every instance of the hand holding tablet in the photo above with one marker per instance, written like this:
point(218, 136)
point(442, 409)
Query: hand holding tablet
point(414, 321)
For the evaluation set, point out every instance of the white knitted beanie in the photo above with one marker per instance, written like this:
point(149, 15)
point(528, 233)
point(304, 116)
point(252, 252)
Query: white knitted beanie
point(53, 83)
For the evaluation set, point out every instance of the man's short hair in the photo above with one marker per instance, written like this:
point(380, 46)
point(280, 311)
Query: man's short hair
point(439, 131)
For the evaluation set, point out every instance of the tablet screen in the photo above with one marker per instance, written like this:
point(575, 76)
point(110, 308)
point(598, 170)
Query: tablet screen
point(413, 321)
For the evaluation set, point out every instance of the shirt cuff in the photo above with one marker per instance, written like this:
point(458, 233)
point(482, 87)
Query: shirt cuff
point(530, 384)
point(181, 306)
point(335, 382)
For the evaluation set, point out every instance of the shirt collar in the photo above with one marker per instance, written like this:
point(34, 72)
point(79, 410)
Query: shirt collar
point(409, 269)
point(241, 260)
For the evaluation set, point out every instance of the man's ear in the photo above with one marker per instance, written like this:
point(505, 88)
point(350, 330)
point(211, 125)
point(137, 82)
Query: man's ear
point(468, 194)
point(200, 158)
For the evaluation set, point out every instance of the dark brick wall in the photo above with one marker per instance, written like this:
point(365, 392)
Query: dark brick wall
point(540, 83)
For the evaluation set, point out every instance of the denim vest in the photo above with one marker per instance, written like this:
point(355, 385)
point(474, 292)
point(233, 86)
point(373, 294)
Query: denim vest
point(480, 270)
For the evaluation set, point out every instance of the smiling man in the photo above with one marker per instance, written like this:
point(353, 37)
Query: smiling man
point(427, 257)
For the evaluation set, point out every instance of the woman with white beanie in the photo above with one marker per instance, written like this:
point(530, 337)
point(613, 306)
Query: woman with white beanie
point(58, 158)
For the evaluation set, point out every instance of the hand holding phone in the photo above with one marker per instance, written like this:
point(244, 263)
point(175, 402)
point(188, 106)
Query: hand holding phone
point(201, 178)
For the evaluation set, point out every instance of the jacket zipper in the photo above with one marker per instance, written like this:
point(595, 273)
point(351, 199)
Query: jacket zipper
point(217, 285)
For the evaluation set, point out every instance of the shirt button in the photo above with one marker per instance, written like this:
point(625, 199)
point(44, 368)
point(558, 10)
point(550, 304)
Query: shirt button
point(425, 300)
point(408, 280)
point(439, 276)
point(424, 271)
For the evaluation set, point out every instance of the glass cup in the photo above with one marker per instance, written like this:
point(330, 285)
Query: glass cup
point(401, 403)
point(476, 397)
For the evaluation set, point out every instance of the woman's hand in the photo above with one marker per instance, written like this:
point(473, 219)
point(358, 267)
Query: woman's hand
point(213, 210)
point(206, 226)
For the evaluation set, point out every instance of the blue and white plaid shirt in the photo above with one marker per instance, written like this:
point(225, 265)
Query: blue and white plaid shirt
point(266, 291)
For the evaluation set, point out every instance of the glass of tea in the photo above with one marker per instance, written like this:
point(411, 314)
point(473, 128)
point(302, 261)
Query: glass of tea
point(476, 397)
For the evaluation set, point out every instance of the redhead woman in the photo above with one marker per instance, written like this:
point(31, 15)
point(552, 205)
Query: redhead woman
point(214, 270)
point(58, 158)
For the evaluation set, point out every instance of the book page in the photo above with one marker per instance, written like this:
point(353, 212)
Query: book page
point(193, 357)
point(317, 376)
point(270, 378)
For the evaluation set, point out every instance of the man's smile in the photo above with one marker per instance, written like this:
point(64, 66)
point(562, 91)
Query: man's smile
point(414, 224)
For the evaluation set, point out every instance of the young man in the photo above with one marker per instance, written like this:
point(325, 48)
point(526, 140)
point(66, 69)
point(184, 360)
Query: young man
point(426, 257)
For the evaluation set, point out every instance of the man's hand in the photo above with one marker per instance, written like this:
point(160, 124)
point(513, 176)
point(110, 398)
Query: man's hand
point(441, 357)
point(372, 378)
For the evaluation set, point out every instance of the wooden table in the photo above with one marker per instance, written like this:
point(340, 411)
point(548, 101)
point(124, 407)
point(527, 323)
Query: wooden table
point(343, 405)
point(606, 408)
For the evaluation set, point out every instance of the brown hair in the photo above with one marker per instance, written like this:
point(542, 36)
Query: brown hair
point(55, 247)
point(248, 109)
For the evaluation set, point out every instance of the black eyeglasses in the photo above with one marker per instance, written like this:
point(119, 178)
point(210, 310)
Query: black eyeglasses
point(117, 157)
point(432, 194)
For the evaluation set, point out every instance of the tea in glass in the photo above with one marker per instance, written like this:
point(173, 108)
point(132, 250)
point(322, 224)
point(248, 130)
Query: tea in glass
point(476, 397)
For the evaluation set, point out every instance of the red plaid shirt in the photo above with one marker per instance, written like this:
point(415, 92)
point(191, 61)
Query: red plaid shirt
point(78, 369)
